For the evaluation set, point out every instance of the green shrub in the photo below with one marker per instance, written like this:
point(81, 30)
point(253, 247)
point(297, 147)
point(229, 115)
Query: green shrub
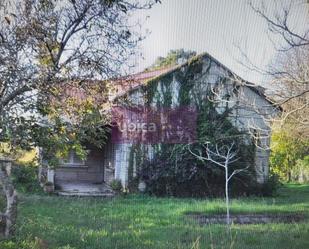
point(25, 178)
point(269, 188)
point(176, 172)
point(9, 245)
point(116, 185)
point(20, 244)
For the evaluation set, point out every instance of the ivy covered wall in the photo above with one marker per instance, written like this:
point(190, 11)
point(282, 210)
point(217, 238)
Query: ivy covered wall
point(209, 87)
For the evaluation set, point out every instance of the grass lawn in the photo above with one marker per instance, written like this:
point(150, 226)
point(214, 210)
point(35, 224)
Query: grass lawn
point(148, 222)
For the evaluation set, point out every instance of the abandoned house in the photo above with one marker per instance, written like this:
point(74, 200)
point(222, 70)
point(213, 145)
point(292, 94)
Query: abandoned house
point(188, 84)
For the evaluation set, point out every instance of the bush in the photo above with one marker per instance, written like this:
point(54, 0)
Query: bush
point(116, 185)
point(176, 172)
point(25, 178)
point(288, 156)
point(164, 178)
point(269, 188)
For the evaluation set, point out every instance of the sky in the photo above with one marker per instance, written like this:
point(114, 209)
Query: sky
point(218, 27)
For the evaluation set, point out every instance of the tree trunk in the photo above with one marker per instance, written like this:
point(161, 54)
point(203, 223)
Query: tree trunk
point(10, 215)
point(227, 195)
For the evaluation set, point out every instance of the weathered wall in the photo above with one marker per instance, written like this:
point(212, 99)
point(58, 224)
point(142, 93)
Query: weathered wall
point(252, 114)
point(91, 172)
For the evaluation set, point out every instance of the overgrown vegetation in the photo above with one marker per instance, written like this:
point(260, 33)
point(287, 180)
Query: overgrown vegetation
point(174, 171)
point(116, 186)
point(289, 157)
point(173, 57)
point(84, 124)
point(289, 75)
point(25, 178)
point(155, 223)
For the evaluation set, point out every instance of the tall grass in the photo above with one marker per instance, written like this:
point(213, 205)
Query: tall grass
point(137, 221)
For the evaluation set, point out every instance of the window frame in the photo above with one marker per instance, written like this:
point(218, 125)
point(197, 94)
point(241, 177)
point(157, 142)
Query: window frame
point(71, 160)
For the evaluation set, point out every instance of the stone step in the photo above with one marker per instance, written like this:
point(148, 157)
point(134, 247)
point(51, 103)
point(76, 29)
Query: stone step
point(84, 189)
point(80, 194)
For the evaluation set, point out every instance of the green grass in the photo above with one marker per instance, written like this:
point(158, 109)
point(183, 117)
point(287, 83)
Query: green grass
point(148, 222)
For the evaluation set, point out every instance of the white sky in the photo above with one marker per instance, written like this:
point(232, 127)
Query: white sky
point(213, 26)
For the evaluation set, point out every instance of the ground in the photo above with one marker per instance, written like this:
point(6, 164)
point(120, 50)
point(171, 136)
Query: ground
point(149, 222)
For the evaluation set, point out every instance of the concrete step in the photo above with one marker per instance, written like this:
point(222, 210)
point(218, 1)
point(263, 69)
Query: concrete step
point(80, 194)
point(84, 189)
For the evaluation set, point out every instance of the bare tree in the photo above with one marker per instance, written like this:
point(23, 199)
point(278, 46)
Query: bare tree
point(279, 22)
point(293, 89)
point(223, 157)
point(288, 73)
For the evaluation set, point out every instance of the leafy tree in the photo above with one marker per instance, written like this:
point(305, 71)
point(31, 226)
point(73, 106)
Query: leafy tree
point(287, 153)
point(300, 172)
point(289, 71)
point(49, 48)
point(174, 57)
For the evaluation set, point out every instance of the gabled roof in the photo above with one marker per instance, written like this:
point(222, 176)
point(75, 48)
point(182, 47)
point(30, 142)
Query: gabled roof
point(124, 85)
point(137, 80)
point(127, 83)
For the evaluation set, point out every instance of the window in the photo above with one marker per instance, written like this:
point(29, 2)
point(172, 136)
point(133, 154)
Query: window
point(72, 160)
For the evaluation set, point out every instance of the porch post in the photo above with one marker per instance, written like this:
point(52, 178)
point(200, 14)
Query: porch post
point(51, 175)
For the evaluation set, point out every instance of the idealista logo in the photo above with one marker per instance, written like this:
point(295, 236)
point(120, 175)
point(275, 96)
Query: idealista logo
point(153, 125)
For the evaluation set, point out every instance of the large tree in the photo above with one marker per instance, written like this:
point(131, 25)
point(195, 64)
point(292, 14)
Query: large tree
point(289, 77)
point(48, 47)
point(289, 71)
